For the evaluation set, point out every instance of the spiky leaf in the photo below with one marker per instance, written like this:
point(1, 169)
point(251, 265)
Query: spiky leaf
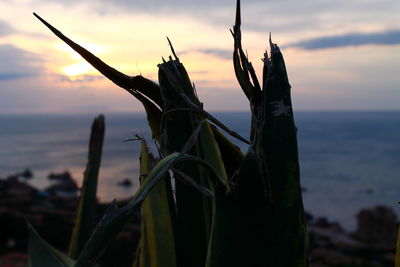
point(193, 209)
point(42, 254)
point(157, 237)
point(84, 222)
point(277, 150)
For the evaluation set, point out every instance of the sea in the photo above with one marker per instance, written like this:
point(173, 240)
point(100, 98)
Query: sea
point(348, 160)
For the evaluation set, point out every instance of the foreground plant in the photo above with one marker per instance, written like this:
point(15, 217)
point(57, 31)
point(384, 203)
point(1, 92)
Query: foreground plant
point(226, 208)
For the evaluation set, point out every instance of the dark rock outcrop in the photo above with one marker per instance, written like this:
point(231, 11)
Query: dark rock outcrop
point(65, 185)
point(53, 216)
point(377, 227)
point(125, 182)
point(27, 174)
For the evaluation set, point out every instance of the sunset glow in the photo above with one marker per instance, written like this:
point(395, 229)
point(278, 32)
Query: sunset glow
point(77, 69)
point(329, 53)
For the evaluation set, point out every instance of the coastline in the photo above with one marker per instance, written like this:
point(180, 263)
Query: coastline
point(348, 159)
point(53, 216)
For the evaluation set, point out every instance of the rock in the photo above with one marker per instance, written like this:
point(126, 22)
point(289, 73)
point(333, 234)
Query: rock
point(16, 189)
point(65, 189)
point(337, 237)
point(328, 257)
point(53, 217)
point(126, 182)
point(12, 179)
point(65, 176)
point(377, 227)
point(323, 222)
point(27, 174)
point(65, 185)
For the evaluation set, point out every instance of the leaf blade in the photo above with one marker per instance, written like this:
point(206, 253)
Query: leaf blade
point(115, 218)
point(42, 254)
point(87, 203)
point(157, 238)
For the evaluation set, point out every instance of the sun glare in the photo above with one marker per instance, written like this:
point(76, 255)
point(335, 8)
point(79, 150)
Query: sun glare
point(83, 67)
point(76, 69)
point(94, 48)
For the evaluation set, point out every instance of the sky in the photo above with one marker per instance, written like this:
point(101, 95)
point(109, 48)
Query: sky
point(340, 55)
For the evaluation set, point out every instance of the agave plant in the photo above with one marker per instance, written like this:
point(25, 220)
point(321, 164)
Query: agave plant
point(204, 202)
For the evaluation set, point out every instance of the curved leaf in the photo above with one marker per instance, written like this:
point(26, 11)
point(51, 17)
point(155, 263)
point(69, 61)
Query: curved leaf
point(157, 244)
point(143, 85)
point(42, 254)
point(115, 218)
point(230, 153)
point(153, 114)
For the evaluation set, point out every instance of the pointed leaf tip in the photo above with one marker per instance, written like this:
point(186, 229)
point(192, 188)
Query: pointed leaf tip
point(238, 15)
point(172, 48)
point(270, 41)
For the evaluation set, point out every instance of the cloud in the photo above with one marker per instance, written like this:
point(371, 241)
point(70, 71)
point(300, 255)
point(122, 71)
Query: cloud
point(87, 78)
point(17, 63)
point(5, 29)
point(258, 15)
point(220, 53)
point(149, 5)
point(284, 17)
point(352, 39)
point(11, 76)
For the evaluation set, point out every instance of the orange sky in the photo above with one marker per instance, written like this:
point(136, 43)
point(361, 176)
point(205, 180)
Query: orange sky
point(339, 55)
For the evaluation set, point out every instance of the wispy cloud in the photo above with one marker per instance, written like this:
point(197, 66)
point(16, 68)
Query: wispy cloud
point(87, 78)
point(5, 29)
point(220, 53)
point(11, 76)
point(17, 63)
point(258, 15)
point(352, 39)
point(149, 5)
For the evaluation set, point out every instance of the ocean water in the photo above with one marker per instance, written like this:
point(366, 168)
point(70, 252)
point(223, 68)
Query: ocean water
point(348, 160)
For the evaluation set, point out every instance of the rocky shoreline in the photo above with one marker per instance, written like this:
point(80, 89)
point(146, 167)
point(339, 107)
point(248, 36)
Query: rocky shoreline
point(52, 213)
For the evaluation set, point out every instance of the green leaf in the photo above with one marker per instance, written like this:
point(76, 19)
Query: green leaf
point(157, 237)
point(42, 254)
point(179, 80)
point(276, 148)
point(253, 213)
point(223, 238)
point(230, 153)
point(243, 68)
point(204, 114)
point(115, 218)
point(153, 114)
point(274, 141)
point(189, 181)
point(84, 222)
point(193, 209)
